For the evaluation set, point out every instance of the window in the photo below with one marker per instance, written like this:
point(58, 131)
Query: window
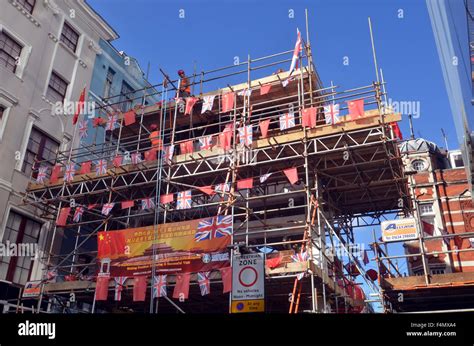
point(69, 37)
point(126, 97)
point(418, 165)
point(456, 161)
point(2, 109)
point(40, 148)
point(426, 209)
point(10, 51)
point(108, 82)
point(56, 88)
point(28, 5)
point(437, 270)
point(19, 230)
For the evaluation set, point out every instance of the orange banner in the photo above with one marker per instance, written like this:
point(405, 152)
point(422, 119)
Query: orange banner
point(189, 246)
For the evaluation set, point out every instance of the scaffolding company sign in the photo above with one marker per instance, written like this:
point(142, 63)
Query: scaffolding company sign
point(248, 283)
point(396, 230)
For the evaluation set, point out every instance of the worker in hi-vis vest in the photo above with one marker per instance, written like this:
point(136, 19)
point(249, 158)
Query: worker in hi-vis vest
point(184, 87)
point(155, 139)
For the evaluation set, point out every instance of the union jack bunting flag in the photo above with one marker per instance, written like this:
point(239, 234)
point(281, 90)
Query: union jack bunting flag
point(159, 286)
point(78, 214)
point(300, 257)
point(207, 103)
point(245, 135)
point(169, 151)
point(331, 114)
point(101, 167)
point(82, 129)
point(205, 143)
point(287, 121)
point(69, 172)
point(245, 92)
point(147, 203)
point(119, 286)
point(204, 283)
point(111, 122)
point(296, 52)
point(136, 158)
point(41, 174)
point(106, 208)
point(214, 227)
point(224, 187)
point(184, 200)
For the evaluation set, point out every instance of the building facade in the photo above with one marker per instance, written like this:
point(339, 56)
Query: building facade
point(442, 196)
point(47, 54)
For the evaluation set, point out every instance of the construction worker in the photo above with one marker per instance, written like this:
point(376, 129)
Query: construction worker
point(184, 87)
point(155, 139)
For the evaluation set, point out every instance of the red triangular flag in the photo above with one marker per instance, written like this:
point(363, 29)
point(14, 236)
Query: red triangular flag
point(227, 102)
point(427, 227)
point(150, 155)
point(356, 108)
point(80, 106)
point(226, 275)
point(62, 217)
point(245, 184)
point(264, 127)
point(396, 130)
point(291, 174)
point(164, 199)
point(308, 117)
point(139, 288)
point(458, 242)
point(91, 206)
point(129, 117)
point(190, 101)
point(102, 288)
point(265, 89)
point(207, 190)
point(128, 204)
point(117, 162)
point(181, 289)
point(55, 174)
point(85, 167)
point(273, 262)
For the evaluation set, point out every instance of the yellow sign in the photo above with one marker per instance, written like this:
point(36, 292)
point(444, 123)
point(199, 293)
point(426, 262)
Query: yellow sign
point(403, 229)
point(257, 305)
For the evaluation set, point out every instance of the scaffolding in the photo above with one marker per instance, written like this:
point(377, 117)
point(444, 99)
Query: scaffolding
point(349, 175)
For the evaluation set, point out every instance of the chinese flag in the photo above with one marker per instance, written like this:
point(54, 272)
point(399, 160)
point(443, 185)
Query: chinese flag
point(150, 155)
point(117, 162)
point(129, 117)
point(110, 244)
point(207, 190)
point(190, 102)
point(128, 204)
point(186, 147)
point(227, 102)
point(80, 106)
point(85, 167)
point(264, 127)
point(139, 288)
point(427, 227)
point(226, 274)
point(356, 108)
point(291, 174)
point(168, 198)
point(265, 89)
point(396, 130)
point(102, 288)
point(245, 184)
point(225, 139)
point(181, 289)
point(62, 217)
point(308, 117)
point(55, 174)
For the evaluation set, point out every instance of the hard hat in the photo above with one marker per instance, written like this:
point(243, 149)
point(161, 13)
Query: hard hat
point(180, 72)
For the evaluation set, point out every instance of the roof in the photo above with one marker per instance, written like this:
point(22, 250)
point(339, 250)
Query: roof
point(418, 145)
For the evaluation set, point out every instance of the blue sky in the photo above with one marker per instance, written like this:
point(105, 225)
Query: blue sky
point(214, 32)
